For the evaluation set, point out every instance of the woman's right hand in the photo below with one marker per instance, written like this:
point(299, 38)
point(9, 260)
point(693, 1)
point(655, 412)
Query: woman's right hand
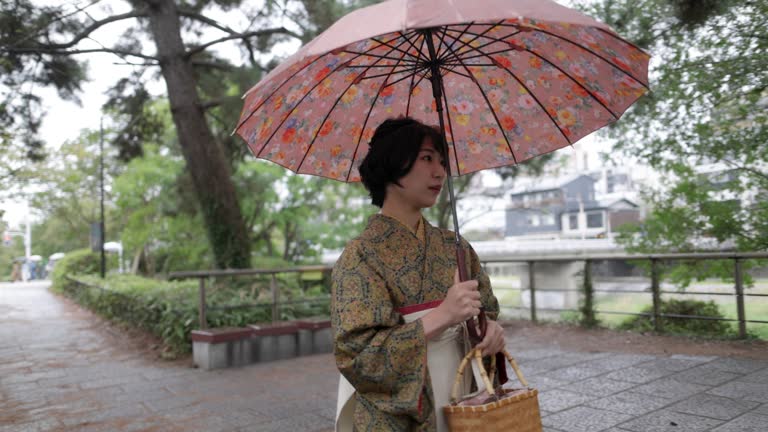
point(462, 301)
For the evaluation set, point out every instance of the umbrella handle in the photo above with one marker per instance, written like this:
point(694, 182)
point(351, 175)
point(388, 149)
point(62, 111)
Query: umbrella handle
point(476, 327)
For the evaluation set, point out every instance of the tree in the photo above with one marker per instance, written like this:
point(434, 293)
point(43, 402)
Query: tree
point(707, 106)
point(39, 45)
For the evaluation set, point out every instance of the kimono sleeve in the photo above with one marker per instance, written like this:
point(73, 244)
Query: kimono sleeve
point(476, 271)
point(381, 356)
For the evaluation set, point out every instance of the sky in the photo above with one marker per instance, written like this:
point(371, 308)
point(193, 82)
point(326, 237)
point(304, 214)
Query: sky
point(64, 120)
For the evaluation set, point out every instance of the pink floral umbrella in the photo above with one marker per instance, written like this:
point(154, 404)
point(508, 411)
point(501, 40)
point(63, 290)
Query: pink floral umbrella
point(507, 80)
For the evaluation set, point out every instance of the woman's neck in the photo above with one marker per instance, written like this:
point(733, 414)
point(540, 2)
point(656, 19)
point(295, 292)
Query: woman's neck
point(408, 216)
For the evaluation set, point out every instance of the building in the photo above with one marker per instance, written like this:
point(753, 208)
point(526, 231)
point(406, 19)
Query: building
point(566, 207)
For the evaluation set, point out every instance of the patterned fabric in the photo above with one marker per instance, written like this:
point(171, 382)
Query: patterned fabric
point(384, 358)
point(514, 89)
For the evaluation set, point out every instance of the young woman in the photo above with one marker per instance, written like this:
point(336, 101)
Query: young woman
point(398, 308)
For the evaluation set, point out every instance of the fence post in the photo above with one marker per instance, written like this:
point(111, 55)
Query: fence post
point(201, 306)
point(588, 310)
point(273, 288)
point(739, 278)
point(532, 289)
point(656, 290)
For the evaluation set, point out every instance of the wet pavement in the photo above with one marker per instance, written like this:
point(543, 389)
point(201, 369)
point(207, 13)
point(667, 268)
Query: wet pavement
point(63, 370)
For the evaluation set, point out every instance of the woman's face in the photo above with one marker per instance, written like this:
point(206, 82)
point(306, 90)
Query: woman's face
point(422, 185)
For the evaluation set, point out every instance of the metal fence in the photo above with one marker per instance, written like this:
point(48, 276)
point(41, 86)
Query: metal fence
point(586, 290)
point(588, 311)
point(204, 276)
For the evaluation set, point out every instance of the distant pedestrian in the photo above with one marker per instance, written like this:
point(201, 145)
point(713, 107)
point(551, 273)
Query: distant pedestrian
point(16, 272)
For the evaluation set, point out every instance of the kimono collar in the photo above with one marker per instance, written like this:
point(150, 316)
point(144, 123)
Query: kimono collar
point(420, 232)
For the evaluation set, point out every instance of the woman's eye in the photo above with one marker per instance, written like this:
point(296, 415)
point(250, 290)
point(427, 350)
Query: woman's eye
point(427, 158)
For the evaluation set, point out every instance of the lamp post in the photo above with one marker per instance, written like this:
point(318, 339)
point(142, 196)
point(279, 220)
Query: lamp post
point(101, 186)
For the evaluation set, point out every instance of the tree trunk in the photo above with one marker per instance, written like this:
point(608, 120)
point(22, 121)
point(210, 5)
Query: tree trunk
point(204, 157)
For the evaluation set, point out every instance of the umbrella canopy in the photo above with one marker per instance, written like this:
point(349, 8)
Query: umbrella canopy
point(517, 79)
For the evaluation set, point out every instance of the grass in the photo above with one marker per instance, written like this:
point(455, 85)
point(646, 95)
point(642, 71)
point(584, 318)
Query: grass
point(507, 290)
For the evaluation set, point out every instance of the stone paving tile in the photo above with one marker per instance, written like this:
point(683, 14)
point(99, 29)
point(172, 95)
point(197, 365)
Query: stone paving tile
point(630, 403)
point(762, 409)
point(697, 359)
point(670, 389)
point(713, 406)
point(536, 354)
point(558, 400)
point(757, 392)
point(598, 386)
point(638, 375)
point(620, 361)
point(41, 425)
point(301, 422)
point(125, 412)
point(575, 373)
point(749, 422)
point(671, 364)
point(584, 419)
point(743, 366)
point(756, 377)
point(705, 375)
point(669, 421)
point(543, 382)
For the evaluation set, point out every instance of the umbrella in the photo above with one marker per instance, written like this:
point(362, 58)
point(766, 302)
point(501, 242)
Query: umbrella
point(507, 80)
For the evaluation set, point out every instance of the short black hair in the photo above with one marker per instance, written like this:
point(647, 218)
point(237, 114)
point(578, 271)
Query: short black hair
point(393, 151)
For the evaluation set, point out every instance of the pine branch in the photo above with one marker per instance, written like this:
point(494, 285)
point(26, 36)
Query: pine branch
point(82, 51)
point(204, 19)
point(243, 36)
point(85, 33)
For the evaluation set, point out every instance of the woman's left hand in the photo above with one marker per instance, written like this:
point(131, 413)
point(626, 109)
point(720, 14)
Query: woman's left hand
point(493, 341)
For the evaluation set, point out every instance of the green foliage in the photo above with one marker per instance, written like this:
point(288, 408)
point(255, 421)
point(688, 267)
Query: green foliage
point(169, 309)
point(74, 263)
point(685, 326)
point(704, 126)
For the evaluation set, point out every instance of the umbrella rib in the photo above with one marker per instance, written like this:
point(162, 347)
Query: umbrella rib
point(327, 115)
point(410, 93)
point(413, 73)
point(418, 50)
point(537, 101)
point(379, 56)
point(395, 48)
point(620, 39)
point(340, 66)
point(490, 107)
point(410, 69)
point(453, 70)
point(593, 53)
point(493, 41)
point(362, 130)
point(463, 32)
point(610, 111)
point(450, 126)
point(413, 77)
point(253, 111)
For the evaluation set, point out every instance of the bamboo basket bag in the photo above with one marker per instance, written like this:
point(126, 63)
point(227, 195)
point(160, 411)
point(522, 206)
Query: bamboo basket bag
point(508, 410)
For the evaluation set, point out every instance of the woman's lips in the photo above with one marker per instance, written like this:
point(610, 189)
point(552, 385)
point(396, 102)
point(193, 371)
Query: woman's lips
point(435, 189)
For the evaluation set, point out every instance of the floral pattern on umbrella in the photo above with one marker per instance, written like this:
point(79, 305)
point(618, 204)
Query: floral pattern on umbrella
point(513, 89)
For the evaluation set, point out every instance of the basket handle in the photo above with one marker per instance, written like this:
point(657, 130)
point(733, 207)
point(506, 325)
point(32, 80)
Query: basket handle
point(478, 356)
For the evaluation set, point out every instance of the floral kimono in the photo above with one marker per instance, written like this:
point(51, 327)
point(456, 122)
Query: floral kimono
point(382, 278)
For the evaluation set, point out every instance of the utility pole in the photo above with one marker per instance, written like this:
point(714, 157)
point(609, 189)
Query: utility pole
point(101, 183)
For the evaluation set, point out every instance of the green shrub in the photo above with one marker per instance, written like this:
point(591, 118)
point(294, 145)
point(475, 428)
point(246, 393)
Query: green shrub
point(701, 327)
point(169, 309)
point(79, 262)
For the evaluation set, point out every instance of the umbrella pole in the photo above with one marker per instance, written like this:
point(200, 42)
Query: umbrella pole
point(476, 329)
point(437, 92)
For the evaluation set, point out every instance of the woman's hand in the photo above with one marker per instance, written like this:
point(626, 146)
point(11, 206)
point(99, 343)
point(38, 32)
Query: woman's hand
point(493, 341)
point(461, 303)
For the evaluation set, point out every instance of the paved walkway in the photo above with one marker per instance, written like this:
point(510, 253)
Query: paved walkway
point(61, 371)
